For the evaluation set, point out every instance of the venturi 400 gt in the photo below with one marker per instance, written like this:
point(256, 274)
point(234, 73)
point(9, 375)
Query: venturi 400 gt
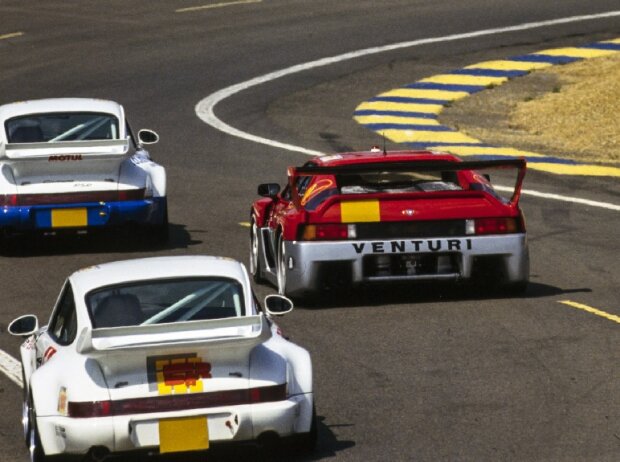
point(375, 216)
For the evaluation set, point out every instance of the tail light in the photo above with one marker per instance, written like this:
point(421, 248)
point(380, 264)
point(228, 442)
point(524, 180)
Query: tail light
point(8, 199)
point(500, 225)
point(74, 197)
point(328, 232)
point(168, 403)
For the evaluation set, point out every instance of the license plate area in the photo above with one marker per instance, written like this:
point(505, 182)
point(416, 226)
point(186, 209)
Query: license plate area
point(183, 434)
point(69, 218)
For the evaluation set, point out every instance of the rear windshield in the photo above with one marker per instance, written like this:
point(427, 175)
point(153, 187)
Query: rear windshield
point(72, 126)
point(394, 182)
point(165, 301)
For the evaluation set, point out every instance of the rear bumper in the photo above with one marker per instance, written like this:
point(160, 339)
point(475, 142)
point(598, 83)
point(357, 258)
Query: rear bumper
point(16, 219)
point(232, 424)
point(309, 264)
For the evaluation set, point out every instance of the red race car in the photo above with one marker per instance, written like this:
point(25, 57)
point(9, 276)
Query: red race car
point(379, 216)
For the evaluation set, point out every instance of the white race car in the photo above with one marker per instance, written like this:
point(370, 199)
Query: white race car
point(75, 164)
point(164, 354)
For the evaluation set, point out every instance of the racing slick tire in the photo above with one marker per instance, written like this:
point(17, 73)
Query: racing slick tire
point(307, 441)
point(281, 267)
point(33, 441)
point(25, 410)
point(161, 232)
point(255, 267)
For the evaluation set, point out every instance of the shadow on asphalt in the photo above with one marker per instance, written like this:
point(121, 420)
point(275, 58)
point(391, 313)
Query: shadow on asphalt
point(401, 293)
point(103, 241)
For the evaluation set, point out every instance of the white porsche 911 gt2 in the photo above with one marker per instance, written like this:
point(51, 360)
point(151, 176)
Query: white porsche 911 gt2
point(162, 355)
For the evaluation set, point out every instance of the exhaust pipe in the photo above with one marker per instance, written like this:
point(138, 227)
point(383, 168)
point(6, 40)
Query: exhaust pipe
point(98, 453)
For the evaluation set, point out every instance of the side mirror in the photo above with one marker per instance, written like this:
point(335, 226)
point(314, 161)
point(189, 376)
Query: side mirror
point(24, 326)
point(278, 305)
point(268, 190)
point(147, 136)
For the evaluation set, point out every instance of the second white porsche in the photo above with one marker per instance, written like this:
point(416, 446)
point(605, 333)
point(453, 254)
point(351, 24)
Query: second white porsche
point(74, 164)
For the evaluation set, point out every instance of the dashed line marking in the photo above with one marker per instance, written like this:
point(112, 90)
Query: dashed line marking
point(12, 35)
point(11, 368)
point(589, 309)
point(215, 5)
point(245, 224)
point(442, 89)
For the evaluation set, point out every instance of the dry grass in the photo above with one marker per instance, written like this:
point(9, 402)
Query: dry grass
point(570, 111)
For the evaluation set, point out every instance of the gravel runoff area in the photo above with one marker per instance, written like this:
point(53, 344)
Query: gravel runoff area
point(568, 111)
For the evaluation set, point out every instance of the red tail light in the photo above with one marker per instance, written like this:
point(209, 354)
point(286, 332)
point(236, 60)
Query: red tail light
point(502, 225)
point(167, 403)
point(331, 232)
point(8, 199)
point(66, 198)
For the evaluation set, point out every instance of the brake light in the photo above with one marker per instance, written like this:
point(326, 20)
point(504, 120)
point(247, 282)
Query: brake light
point(73, 197)
point(8, 199)
point(131, 194)
point(90, 409)
point(332, 231)
point(502, 225)
point(168, 403)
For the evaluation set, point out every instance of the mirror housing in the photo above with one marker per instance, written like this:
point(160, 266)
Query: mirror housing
point(278, 305)
point(268, 190)
point(24, 326)
point(147, 136)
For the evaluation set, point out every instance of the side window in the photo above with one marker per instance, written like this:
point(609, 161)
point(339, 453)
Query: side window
point(286, 193)
point(63, 325)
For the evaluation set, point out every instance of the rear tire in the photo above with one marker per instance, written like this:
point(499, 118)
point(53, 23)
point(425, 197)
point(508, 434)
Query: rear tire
point(309, 440)
point(255, 266)
point(161, 232)
point(281, 267)
point(35, 448)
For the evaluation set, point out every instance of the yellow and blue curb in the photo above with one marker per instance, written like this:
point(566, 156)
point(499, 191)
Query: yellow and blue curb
point(410, 114)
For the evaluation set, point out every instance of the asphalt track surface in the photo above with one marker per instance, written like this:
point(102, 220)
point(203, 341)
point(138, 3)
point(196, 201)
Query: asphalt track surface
point(406, 373)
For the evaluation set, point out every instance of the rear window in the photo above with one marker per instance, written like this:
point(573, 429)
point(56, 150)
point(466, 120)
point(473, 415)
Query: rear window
point(51, 127)
point(395, 182)
point(165, 301)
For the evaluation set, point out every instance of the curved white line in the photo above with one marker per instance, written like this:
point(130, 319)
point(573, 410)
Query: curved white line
point(557, 197)
point(11, 367)
point(204, 108)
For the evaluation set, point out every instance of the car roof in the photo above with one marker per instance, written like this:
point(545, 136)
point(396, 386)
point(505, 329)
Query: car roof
point(364, 157)
point(141, 269)
point(41, 106)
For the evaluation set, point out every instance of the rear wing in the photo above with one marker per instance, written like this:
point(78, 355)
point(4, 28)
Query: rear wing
point(239, 332)
point(412, 166)
point(59, 150)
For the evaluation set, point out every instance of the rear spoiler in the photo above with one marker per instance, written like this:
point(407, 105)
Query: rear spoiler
point(421, 166)
point(152, 336)
point(418, 166)
point(88, 148)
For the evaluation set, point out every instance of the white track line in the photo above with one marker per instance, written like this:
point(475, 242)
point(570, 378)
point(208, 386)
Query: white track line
point(205, 108)
point(11, 368)
point(557, 197)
